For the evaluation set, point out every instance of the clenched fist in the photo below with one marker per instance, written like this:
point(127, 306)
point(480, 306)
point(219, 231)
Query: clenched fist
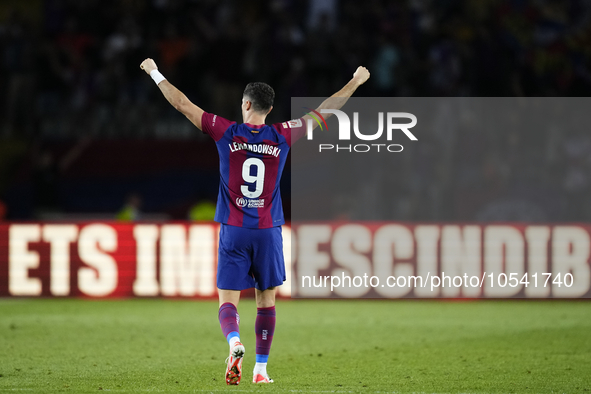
point(148, 66)
point(361, 75)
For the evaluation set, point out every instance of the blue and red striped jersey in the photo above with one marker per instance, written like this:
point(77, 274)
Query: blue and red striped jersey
point(252, 158)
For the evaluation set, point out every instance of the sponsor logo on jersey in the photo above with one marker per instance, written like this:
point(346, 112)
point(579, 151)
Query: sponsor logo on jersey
point(256, 148)
point(241, 202)
point(248, 203)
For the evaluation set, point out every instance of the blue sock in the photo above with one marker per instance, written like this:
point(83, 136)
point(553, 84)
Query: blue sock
point(232, 335)
point(262, 358)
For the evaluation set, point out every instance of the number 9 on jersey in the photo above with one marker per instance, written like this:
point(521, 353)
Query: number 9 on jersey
point(258, 179)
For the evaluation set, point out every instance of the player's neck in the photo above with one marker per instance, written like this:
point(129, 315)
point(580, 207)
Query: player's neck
point(254, 119)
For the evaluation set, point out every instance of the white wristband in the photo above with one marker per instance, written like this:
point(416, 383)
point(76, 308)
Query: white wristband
point(157, 76)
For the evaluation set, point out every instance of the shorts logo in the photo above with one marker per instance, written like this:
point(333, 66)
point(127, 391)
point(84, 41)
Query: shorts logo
point(255, 203)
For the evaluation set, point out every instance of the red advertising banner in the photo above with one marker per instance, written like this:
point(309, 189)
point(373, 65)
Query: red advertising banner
point(394, 260)
point(343, 260)
point(110, 259)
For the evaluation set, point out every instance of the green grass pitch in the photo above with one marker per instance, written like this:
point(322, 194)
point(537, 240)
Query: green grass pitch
point(156, 345)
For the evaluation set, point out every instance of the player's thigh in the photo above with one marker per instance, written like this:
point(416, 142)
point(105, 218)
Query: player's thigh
point(234, 259)
point(268, 261)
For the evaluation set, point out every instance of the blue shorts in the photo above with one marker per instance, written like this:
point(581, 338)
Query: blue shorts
point(249, 257)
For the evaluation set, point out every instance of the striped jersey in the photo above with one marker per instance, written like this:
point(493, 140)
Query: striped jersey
point(252, 158)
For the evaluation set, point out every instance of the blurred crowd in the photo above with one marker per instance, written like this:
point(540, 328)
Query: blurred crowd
point(75, 70)
point(493, 159)
point(70, 69)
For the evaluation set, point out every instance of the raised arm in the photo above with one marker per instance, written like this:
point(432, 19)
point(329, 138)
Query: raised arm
point(174, 96)
point(337, 100)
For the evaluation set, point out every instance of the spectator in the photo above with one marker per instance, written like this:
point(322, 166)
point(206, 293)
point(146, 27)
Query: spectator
point(131, 210)
point(202, 211)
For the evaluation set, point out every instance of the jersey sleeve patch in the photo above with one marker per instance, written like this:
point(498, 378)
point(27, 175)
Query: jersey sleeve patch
point(292, 130)
point(295, 123)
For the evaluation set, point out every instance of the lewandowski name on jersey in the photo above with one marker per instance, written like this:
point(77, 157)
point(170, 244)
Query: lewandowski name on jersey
point(260, 148)
point(252, 158)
